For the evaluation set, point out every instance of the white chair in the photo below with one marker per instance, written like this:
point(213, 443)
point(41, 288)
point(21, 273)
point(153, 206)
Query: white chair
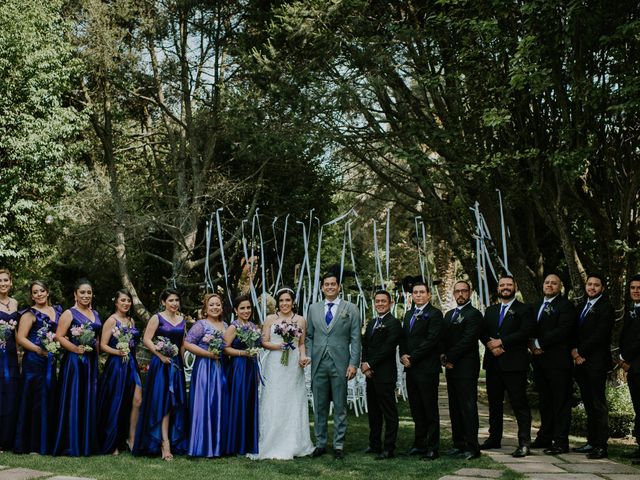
point(189, 360)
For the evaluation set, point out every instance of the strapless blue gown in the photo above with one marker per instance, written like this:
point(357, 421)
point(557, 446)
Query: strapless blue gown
point(76, 434)
point(164, 394)
point(9, 387)
point(37, 415)
point(244, 379)
point(116, 388)
point(209, 399)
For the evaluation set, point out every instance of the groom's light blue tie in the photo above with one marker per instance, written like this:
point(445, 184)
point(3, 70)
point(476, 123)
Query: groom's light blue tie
point(329, 316)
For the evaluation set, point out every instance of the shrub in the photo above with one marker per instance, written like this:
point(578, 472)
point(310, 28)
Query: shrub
point(621, 414)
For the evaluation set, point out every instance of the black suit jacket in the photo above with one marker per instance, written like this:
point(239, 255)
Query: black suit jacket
point(379, 348)
point(514, 333)
point(593, 334)
point(630, 338)
point(422, 343)
point(554, 331)
point(460, 342)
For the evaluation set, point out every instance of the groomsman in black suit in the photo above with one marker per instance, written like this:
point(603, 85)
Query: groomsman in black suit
point(592, 358)
point(379, 343)
point(630, 353)
point(461, 360)
point(419, 353)
point(551, 343)
point(505, 332)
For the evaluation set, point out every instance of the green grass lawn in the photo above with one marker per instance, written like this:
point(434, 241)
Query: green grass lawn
point(355, 465)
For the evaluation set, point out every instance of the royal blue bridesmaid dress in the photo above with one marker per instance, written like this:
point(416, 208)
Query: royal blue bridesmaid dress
point(38, 412)
point(164, 393)
point(244, 379)
point(9, 386)
point(116, 388)
point(209, 399)
point(76, 433)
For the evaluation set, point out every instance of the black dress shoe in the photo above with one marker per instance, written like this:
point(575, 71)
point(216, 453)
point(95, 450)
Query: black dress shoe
point(521, 452)
point(586, 448)
point(430, 455)
point(555, 450)
point(454, 451)
point(318, 451)
point(489, 444)
point(375, 451)
point(384, 455)
point(416, 451)
point(597, 453)
point(537, 443)
point(338, 454)
point(468, 455)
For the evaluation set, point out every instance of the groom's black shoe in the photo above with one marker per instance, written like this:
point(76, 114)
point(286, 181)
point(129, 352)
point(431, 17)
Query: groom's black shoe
point(338, 454)
point(372, 450)
point(416, 451)
point(318, 452)
point(385, 455)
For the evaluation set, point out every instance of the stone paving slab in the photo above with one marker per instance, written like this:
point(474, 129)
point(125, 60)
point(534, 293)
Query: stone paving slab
point(621, 476)
point(600, 468)
point(564, 476)
point(581, 458)
point(529, 459)
point(479, 473)
point(535, 468)
point(21, 474)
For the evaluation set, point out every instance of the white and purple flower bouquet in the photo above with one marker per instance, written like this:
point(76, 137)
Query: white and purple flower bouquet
point(165, 347)
point(124, 337)
point(215, 342)
point(48, 341)
point(289, 332)
point(83, 336)
point(249, 334)
point(7, 327)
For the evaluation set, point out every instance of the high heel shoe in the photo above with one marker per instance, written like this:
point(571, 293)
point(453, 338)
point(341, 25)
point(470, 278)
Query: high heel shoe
point(129, 445)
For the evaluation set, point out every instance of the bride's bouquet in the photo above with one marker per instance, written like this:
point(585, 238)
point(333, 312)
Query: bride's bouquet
point(289, 332)
point(7, 327)
point(124, 337)
point(249, 334)
point(83, 336)
point(48, 341)
point(215, 342)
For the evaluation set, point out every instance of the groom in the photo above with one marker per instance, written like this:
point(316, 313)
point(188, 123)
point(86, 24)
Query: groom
point(333, 344)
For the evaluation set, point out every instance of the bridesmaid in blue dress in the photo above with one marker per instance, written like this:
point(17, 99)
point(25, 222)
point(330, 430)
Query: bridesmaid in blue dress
point(37, 415)
point(9, 370)
point(120, 390)
point(209, 392)
point(244, 378)
point(76, 433)
point(163, 423)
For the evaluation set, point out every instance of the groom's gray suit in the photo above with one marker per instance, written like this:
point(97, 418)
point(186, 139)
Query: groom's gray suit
point(332, 348)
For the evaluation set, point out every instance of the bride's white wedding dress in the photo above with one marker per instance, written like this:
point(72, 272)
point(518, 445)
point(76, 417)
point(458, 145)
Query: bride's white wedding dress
point(284, 410)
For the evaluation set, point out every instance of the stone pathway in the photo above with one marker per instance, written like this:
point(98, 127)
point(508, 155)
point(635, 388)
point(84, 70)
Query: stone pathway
point(537, 466)
point(27, 474)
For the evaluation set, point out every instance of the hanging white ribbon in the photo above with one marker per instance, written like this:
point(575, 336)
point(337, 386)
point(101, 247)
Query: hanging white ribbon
point(263, 271)
point(222, 255)
point(376, 255)
point(353, 261)
point(419, 244)
point(207, 270)
point(280, 255)
point(503, 231)
point(249, 264)
point(305, 260)
point(387, 240)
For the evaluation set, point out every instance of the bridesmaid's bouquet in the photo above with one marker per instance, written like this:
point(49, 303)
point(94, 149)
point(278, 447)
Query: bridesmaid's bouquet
point(124, 343)
point(249, 334)
point(83, 336)
point(165, 347)
point(48, 341)
point(215, 342)
point(7, 327)
point(289, 332)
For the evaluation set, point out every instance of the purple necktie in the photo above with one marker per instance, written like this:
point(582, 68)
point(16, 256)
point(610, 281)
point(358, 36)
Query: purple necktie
point(585, 311)
point(413, 319)
point(329, 316)
point(503, 310)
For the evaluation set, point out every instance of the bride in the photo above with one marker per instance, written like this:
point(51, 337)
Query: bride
point(284, 411)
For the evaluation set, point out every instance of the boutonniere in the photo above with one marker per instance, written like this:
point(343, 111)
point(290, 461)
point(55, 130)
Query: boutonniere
point(380, 327)
point(510, 313)
point(549, 310)
point(632, 314)
point(459, 320)
point(423, 315)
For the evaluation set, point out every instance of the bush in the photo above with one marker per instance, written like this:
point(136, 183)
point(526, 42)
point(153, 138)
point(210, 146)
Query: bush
point(621, 414)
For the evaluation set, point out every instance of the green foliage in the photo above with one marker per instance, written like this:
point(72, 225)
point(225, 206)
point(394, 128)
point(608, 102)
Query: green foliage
point(621, 414)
